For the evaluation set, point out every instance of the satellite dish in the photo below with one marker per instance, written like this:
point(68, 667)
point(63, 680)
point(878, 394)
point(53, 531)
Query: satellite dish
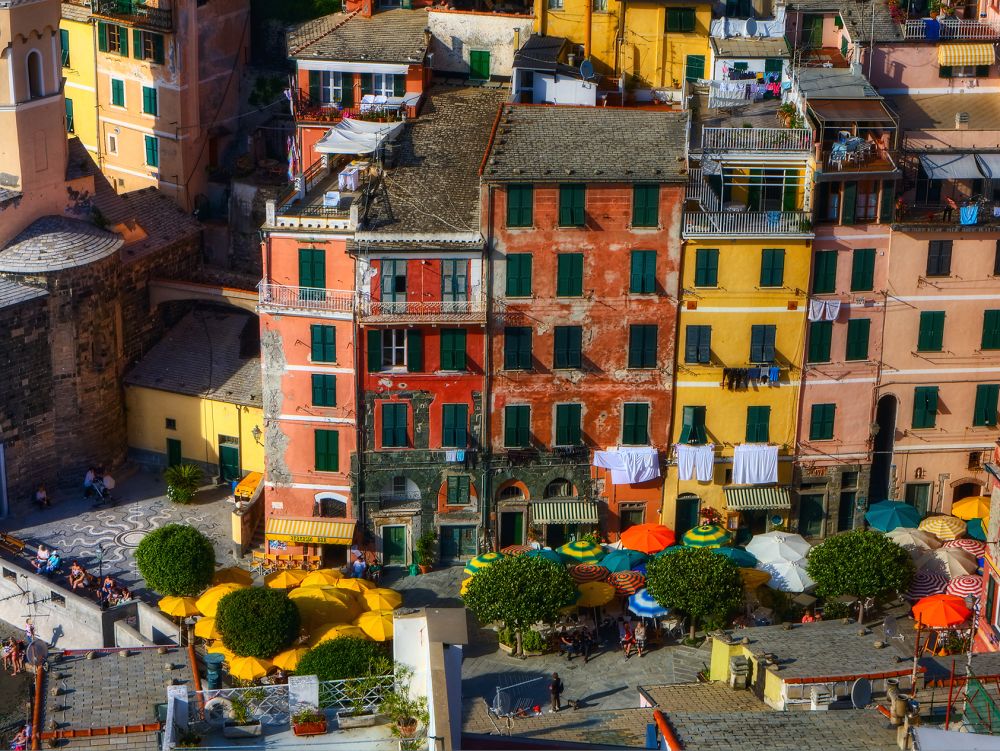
point(586, 70)
point(36, 653)
point(751, 28)
point(861, 693)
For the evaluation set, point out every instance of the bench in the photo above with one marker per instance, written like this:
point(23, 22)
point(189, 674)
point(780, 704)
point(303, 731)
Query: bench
point(11, 544)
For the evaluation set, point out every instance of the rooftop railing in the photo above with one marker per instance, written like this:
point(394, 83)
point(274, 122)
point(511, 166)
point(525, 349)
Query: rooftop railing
point(278, 296)
point(153, 16)
point(426, 311)
point(747, 224)
point(954, 28)
point(756, 139)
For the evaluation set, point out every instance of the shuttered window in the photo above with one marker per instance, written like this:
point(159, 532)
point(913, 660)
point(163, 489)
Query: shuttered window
point(858, 333)
point(571, 205)
point(520, 203)
point(64, 46)
point(762, 343)
point(930, 338)
point(825, 278)
point(694, 67)
point(645, 205)
point(394, 416)
point(323, 343)
point(568, 347)
point(458, 490)
point(117, 92)
point(635, 424)
point(925, 406)
point(772, 267)
point(324, 390)
point(642, 275)
point(150, 106)
point(519, 275)
point(693, 426)
point(758, 424)
point(820, 337)
point(985, 411)
point(863, 270)
point(821, 421)
point(939, 257)
point(706, 267)
point(517, 426)
point(517, 348)
point(569, 275)
point(568, 431)
point(454, 425)
point(991, 329)
point(327, 450)
point(152, 151)
point(312, 274)
point(681, 20)
point(414, 351)
point(698, 344)
point(642, 345)
point(453, 349)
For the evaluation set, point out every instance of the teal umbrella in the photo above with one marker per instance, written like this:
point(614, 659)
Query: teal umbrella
point(976, 529)
point(739, 556)
point(549, 555)
point(623, 560)
point(888, 515)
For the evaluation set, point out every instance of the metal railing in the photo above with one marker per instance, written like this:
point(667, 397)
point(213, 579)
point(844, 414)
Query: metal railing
point(747, 223)
point(374, 311)
point(873, 160)
point(954, 28)
point(355, 692)
point(136, 13)
point(757, 139)
point(306, 298)
point(699, 190)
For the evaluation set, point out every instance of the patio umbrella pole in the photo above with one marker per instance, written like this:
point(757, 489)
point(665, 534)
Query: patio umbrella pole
point(916, 655)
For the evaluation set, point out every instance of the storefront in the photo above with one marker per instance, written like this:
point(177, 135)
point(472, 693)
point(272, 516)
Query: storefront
point(564, 521)
point(327, 538)
point(754, 509)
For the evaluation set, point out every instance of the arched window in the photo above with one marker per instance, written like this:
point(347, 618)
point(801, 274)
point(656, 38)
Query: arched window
point(36, 87)
point(331, 506)
point(511, 493)
point(400, 488)
point(559, 488)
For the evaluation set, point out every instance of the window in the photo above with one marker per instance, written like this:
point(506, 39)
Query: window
point(149, 102)
point(772, 267)
point(820, 335)
point(555, 4)
point(454, 425)
point(930, 338)
point(925, 405)
point(858, 331)
point(762, 343)
point(389, 347)
point(568, 418)
point(693, 425)
point(393, 284)
point(773, 65)
point(572, 199)
point(568, 347)
point(681, 19)
point(569, 275)
point(635, 424)
point(996, 260)
point(64, 46)
point(645, 205)
point(152, 151)
point(517, 426)
point(975, 460)
point(559, 488)
point(825, 280)
point(323, 343)
point(170, 423)
point(331, 86)
point(117, 92)
point(991, 330)
point(964, 71)
point(642, 345)
point(918, 495)
point(758, 424)
point(630, 517)
point(698, 344)
point(70, 125)
point(453, 349)
point(327, 455)
point(985, 412)
point(112, 143)
point(458, 490)
point(866, 202)
point(519, 275)
point(312, 274)
point(863, 270)
point(706, 267)
point(939, 258)
point(479, 65)
point(517, 348)
point(694, 67)
point(600, 6)
point(511, 493)
point(821, 422)
point(642, 274)
point(324, 390)
point(112, 38)
point(383, 84)
point(148, 46)
point(520, 200)
point(454, 281)
point(394, 419)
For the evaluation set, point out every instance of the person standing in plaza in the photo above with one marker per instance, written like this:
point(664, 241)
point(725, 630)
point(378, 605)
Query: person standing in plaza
point(555, 692)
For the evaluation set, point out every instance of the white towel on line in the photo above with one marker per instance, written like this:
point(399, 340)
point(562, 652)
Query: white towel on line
point(629, 465)
point(696, 462)
point(832, 309)
point(817, 309)
point(755, 464)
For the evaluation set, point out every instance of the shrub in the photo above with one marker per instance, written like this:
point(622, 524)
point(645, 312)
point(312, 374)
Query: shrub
point(532, 641)
point(343, 657)
point(183, 481)
point(176, 560)
point(257, 622)
point(863, 563)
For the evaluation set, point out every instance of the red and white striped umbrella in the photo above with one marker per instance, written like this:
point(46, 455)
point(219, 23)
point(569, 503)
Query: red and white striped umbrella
point(627, 582)
point(925, 584)
point(977, 548)
point(515, 549)
point(962, 586)
point(586, 572)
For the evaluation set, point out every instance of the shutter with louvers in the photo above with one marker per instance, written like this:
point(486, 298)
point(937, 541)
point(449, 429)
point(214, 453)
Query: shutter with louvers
point(568, 424)
point(324, 390)
point(693, 425)
point(569, 275)
point(925, 405)
point(762, 343)
point(930, 337)
point(645, 205)
point(158, 56)
point(346, 90)
point(517, 431)
point(985, 412)
point(399, 85)
point(825, 279)
point(323, 341)
point(137, 47)
point(517, 348)
point(635, 424)
point(821, 422)
point(519, 274)
point(152, 151)
point(374, 350)
point(820, 336)
point(888, 205)
point(123, 40)
point(850, 197)
point(64, 46)
point(991, 330)
point(314, 88)
point(453, 349)
point(414, 351)
point(102, 36)
point(772, 267)
point(367, 83)
point(863, 270)
point(454, 422)
point(326, 450)
point(642, 276)
point(858, 333)
point(758, 424)
point(706, 267)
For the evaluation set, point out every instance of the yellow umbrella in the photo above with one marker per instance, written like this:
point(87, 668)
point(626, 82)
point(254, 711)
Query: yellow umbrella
point(383, 599)
point(208, 603)
point(179, 607)
point(325, 577)
point(289, 659)
point(323, 605)
point(233, 575)
point(335, 632)
point(376, 623)
point(220, 649)
point(355, 585)
point(976, 507)
point(249, 668)
point(754, 577)
point(943, 527)
point(205, 629)
point(595, 594)
point(287, 579)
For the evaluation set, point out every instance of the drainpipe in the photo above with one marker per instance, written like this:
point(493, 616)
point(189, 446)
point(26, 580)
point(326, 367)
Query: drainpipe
point(540, 15)
point(486, 441)
point(588, 22)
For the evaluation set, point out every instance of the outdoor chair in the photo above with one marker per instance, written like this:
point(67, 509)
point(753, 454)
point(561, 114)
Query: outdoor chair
point(890, 629)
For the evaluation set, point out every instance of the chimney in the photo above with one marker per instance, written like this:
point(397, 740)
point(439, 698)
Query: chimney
point(961, 121)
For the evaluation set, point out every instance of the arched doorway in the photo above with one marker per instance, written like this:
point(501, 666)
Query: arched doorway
point(36, 86)
point(885, 440)
point(965, 489)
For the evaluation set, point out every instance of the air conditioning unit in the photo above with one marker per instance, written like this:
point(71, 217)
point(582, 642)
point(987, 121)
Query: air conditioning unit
point(820, 698)
point(739, 672)
point(962, 121)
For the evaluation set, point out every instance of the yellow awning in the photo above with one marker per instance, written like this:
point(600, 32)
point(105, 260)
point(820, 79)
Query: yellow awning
point(564, 512)
point(966, 54)
point(310, 531)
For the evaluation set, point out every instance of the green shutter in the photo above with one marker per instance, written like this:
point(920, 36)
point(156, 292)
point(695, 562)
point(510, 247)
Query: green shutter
point(858, 333)
point(825, 279)
point(762, 338)
point(399, 85)
point(137, 44)
point(645, 205)
point(158, 56)
point(64, 46)
point(790, 190)
point(850, 197)
point(374, 350)
point(327, 450)
point(312, 271)
point(773, 65)
point(102, 36)
point(758, 424)
point(991, 330)
point(693, 426)
point(516, 426)
point(123, 37)
point(453, 349)
point(820, 335)
point(642, 274)
point(821, 422)
point(863, 270)
point(346, 90)
point(520, 202)
point(694, 67)
point(517, 348)
point(118, 92)
point(394, 428)
point(888, 205)
point(931, 335)
point(314, 87)
point(568, 424)
point(569, 275)
point(985, 412)
point(454, 422)
point(324, 343)
point(70, 125)
point(642, 346)
point(149, 101)
point(572, 203)
point(567, 347)
point(324, 390)
point(698, 344)
point(152, 151)
point(706, 267)
point(414, 350)
point(367, 83)
point(458, 490)
point(519, 275)
point(925, 406)
point(635, 424)
point(772, 267)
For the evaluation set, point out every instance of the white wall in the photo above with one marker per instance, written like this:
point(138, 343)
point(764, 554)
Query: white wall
point(457, 32)
point(551, 89)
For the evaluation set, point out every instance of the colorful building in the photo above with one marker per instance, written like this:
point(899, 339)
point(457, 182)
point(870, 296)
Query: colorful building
point(79, 68)
point(988, 637)
point(584, 250)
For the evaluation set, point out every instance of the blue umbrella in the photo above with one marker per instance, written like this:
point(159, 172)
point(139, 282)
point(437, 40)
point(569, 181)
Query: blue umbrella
point(644, 606)
point(888, 515)
point(549, 555)
point(623, 560)
point(640, 568)
point(976, 529)
point(739, 556)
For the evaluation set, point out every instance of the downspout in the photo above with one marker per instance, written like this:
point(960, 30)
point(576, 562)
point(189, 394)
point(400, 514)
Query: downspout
point(487, 434)
point(540, 16)
point(359, 414)
point(588, 22)
point(620, 40)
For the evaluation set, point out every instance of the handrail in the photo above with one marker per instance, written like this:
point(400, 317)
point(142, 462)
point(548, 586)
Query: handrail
point(747, 223)
point(757, 139)
point(306, 298)
point(137, 13)
point(954, 28)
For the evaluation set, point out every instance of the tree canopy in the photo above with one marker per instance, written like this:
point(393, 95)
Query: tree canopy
point(176, 560)
point(343, 657)
point(696, 582)
point(519, 591)
point(863, 563)
point(257, 622)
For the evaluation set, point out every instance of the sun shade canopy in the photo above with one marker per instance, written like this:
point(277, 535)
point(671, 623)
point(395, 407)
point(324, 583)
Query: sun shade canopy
point(352, 136)
point(951, 166)
point(966, 54)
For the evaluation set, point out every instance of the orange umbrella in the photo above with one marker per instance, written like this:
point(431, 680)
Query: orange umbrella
point(941, 611)
point(648, 538)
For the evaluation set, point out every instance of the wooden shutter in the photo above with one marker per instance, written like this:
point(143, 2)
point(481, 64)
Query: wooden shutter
point(453, 349)
point(324, 389)
point(323, 343)
point(850, 197)
point(138, 50)
point(414, 350)
point(346, 90)
point(773, 65)
point(825, 280)
point(314, 87)
point(327, 450)
point(863, 270)
point(158, 56)
point(399, 85)
point(374, 350)
point(991, 330)
point(925, 405)
point(367, 83)
point(931, 335)
point(569, 275)
point(820, 334)
point(985, 411)
point(519, 274)
point(152, 151)
point(123, 40)
point(64, 46)
point(821, 422)
point(645, 205)
point(758, 424)
point(772, 267)
point(888, 206)
point(706, 271)
point(762, 343)
point(694, 67)
point(102, 36)
point(858, 333)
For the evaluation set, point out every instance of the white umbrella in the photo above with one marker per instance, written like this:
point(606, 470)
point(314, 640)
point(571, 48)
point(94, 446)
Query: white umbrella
point(948, 562)
point(914, 541)
point(788, 576)
point(778, 546)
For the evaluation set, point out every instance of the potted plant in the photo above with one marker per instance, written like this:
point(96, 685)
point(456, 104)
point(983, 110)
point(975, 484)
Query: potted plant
point(186, 738)
point(308, 720)
point(182, 482)
point(243, 724)
point(426, 550)
point(786, 113)
point(359, 713)
point(533, 643)
point(404, 710)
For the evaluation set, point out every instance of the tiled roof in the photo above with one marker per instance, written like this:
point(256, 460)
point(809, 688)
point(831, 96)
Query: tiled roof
point(595, 144)
point(750, 48)
point(390, 36)
point(200, 356)
point(76, 12)
point(862, 24)
point(54, 243)
point(12, 293)
point(834, 83)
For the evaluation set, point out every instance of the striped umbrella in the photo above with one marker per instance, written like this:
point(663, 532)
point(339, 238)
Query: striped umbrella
point(581, 551)
point(739, 556)
point(478, 563)
point(623, 560)
point(546, 553)
point(976, 507)
point(515, 549)
point(976, 529)
point(595, 594)
point(707, 536)
point(948, 562)
point(943, 527)
point(586, 572)
point(644, 606)
point(977, 548)
point(914, 539)
point(627, 582)
point(925, 584)
point(962, 586)
point(648, 538)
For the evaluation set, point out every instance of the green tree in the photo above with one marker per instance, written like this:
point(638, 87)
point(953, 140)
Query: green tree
point(176, 560)
point(697, 582)
point(343, 657)
point(257, 622)
point(863, 563)
point(518, 591)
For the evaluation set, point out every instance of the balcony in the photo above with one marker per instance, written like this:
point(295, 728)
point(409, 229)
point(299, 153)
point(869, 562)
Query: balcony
point(422, 311)
point(954, 28)
point(308, 111)
point(316, 200)
point(871, 160)
point(134, 13)
point(278, 297)
point(747, 224)
point(756, 139)
point(938, 217)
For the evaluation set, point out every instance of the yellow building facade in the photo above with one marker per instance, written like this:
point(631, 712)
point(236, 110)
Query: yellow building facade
point(79, 68)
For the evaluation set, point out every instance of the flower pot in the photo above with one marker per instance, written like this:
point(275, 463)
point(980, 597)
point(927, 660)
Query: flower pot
point(318, 727)
point(233, 729)
point(425, 569)
point(407, 728)
point(351, 720)
point(505, 648)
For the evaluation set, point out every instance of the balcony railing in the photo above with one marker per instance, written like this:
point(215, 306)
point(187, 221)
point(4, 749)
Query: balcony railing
point(308, 110)
point(278, 296)
point(699, 190)
point(955, 28)
point(136, 13)
point(421, 311)
point(870, 160)
point(939, 216)
point(756, 139)
point(747, 224)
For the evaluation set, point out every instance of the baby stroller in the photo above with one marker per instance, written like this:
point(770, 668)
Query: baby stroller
point(102, 492)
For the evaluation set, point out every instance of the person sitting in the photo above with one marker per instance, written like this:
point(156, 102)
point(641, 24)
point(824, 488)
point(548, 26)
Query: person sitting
point(120, 595)
point(77, 576)
point(566, 645)
point(375, 570)
point(105, 591)
point(21, 741)
point(807, 617)
point(88, 482)
point(629, 641)
point(7, 653)
point(53, 564)
point(41, 557)
point(42, 497)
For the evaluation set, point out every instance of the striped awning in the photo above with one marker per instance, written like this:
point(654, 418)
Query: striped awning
point(757, 497)
point(310, 531)
point(966, 54)
point(564, 512)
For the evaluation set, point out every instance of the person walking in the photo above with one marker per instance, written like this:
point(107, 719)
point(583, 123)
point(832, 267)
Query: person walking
point(555, 692)
point(640, 637)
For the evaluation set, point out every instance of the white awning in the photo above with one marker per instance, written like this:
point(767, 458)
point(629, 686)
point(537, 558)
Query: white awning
point(989, 165)
point(564, 512)
point(353, 67)
point(352, 136)
point(951, 166)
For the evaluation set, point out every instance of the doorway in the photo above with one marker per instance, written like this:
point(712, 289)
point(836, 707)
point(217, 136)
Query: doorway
point(688, 507)
point(511, 528)
point(457, 542)
point(885, 439)
point(811, 515)
point(394, 545)
point(966, 490)
point(229, 459)
point(479, 65)
point(173, 452)
point(918, 495)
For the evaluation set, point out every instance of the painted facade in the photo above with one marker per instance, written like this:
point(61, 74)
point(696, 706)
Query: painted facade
point(79, 68)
